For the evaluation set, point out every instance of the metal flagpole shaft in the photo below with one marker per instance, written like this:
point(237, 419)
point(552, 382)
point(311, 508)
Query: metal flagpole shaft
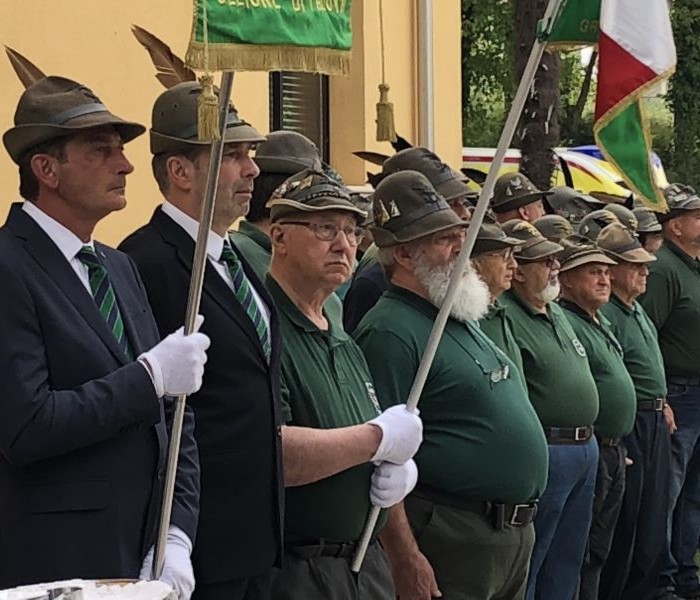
point(477, 218)
point(193, 300)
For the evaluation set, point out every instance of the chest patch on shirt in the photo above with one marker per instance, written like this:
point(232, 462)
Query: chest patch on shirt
point(578, 346)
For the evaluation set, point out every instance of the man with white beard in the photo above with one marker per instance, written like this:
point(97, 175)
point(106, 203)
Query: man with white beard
point(466, 531)
point(563, 392)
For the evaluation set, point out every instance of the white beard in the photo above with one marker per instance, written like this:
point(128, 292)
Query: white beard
point(550, 293)
point(472, 299)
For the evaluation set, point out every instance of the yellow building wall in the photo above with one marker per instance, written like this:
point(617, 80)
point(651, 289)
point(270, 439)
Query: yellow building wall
point(92, 43)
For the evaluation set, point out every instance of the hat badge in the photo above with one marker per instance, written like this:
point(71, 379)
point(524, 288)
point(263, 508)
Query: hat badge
point(381, 215)
point(394, 210)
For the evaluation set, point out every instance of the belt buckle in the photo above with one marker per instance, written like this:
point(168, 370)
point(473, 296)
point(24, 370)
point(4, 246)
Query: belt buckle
point(580, 434)
point(658, 404)
point(514, 521)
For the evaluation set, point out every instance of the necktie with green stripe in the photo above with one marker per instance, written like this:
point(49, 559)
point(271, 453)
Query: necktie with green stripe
point(103, 294)
point(244, 294)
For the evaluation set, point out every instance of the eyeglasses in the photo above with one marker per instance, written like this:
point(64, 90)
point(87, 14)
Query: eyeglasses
point(327, 232)
point(505, 254)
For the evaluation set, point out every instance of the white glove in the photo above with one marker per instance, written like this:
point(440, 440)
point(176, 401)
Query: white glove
point(402, 433)
point(392, 483)
point(177, 363)
point(177, 570)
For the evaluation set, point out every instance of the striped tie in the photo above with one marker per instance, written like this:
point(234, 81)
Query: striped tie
point(103, 294)
point(244, 294)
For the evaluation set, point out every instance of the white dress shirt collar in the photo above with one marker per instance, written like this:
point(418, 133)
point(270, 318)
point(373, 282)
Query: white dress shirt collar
point(67, 242)
point(215, 243)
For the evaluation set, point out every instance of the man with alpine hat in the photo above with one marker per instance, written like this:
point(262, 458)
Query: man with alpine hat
point(554, 227)
point(333, 431)
point(516, 197)
point(493, 259)
point(86, 383)
point(648, 229)
point(563, 392)
point(672, 301)
point(585, 289)
point(466, 531)
point(370, 282)
point(237, 411)
point(592, 224)
point(640, 544)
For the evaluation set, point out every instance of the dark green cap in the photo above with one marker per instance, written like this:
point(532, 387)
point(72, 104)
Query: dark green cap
point(513, 190)
point(679, 198)
point(492, 237)
point(450, 184)
point(287, 152)
point(311, 191)
point(648, 223)
point(571, 204)
point(577, 253)
point(406, 207)
point(174, 121)
point(533, 245)
point(591, 225)
point(624, 215)
point(554, 227)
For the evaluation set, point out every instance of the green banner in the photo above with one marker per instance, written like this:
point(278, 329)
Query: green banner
point(271, 35)
point(576, 25)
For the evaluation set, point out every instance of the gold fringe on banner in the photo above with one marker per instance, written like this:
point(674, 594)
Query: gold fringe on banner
point(249, 57)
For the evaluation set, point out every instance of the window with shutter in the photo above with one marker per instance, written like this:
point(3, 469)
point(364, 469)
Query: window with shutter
point(299, 102)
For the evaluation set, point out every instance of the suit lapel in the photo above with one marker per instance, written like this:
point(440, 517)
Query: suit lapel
point(50, 259)
point(214, 285)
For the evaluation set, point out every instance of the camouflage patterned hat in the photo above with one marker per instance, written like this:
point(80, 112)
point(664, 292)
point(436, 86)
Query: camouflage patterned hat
point(624, 215)
point(513, 190)
point(591, 225)
point(648, 223)
point(679, 198)
point(620, 243)
point(554, 227)
point(309, 192)
point(406, 207)
point(450, 184)
point(533, 245)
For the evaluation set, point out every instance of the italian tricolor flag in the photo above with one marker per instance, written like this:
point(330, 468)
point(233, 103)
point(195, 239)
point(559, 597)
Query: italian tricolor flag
point(636, 52)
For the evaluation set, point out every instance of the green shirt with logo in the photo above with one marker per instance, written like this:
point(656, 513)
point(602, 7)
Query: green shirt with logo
point(559, 380)
point(672, 301)
point(481, 437)
point(497, 328)
point(618, 402)
point(325, 384)
point(639, 340)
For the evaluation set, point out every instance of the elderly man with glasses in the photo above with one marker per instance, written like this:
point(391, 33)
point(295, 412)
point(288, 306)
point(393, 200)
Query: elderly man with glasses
point(340, 454)
point(563, 392)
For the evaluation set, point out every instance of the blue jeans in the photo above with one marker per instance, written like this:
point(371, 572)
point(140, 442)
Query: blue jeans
point(684, 489)
point(562, 522)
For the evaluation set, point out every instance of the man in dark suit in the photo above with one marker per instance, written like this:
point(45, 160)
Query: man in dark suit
point(83, 433)
point(237, 411)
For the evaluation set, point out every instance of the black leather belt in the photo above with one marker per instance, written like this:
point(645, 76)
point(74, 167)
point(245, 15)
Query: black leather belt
point(610, 442)
point(568, 435)
point(313, 547)
point(692, 381)
point(657, 404)
point(499, 513)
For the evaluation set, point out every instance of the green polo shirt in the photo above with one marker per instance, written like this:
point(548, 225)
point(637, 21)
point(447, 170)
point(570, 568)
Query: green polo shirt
point(497, 328)
point(481, 438)
point(256, 248)
point(559, 380)
point(618, 401)
point(639, 341)
point(672, 301)
point(325, 384)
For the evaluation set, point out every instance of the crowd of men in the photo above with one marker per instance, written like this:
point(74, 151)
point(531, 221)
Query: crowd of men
point(556, 454)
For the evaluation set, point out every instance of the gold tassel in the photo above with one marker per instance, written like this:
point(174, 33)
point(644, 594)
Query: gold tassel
point(385, 116)
point(207, 111)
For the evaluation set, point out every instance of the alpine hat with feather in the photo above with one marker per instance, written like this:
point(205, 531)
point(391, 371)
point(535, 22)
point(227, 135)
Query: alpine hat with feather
point(174, 121)
point(55, 107)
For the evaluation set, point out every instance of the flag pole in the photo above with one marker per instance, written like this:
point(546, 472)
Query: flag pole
point(511, 123)
point(193, 301)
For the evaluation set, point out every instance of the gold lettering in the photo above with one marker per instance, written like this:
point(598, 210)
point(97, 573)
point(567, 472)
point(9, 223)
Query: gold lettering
point(589, 26)
point(254, 3)
point(298, 5)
